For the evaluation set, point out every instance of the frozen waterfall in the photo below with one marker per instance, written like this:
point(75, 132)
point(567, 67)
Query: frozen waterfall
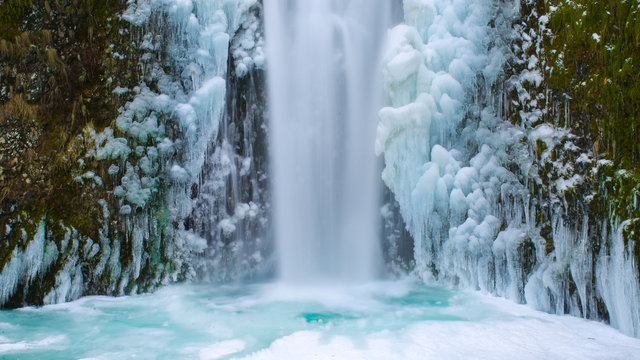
point(461, 170)
point(324, 93)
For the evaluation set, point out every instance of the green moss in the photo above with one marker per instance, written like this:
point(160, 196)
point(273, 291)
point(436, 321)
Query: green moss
point(541, 146)
point(590, 61)
point(65, 45)
point(12, 13)
point(67, 42)
point(594, 60)
point(527, 251)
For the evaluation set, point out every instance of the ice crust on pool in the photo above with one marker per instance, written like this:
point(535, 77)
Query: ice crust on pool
point(386, 320)
point(446, 150)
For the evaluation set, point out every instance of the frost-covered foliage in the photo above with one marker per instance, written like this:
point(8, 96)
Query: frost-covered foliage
point(585, 63)
point(175, 145)
point(489, 183)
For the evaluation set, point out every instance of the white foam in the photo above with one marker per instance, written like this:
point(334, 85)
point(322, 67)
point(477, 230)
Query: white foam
point(221, 349)
point(533, 335)
point(26, 345)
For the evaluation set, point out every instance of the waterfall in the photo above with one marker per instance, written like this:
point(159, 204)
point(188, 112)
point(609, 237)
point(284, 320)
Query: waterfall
point(323, 66)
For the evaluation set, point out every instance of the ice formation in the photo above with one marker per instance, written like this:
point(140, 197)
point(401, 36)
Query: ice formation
point(195, 152)
point(444, 193)
point(447, 151)
point(161, 150)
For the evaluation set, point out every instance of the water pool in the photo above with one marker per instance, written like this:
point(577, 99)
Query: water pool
point(383, 320)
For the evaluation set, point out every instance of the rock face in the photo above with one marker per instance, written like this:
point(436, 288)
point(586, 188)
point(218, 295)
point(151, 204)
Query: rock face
point(126, 144)
point(582, 180)
point(57, 77)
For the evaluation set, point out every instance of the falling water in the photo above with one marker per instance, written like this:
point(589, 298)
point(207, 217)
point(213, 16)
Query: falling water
point(323, 68)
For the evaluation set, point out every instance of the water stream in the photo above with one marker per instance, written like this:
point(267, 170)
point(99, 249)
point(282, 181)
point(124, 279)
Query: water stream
point(325, 90)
